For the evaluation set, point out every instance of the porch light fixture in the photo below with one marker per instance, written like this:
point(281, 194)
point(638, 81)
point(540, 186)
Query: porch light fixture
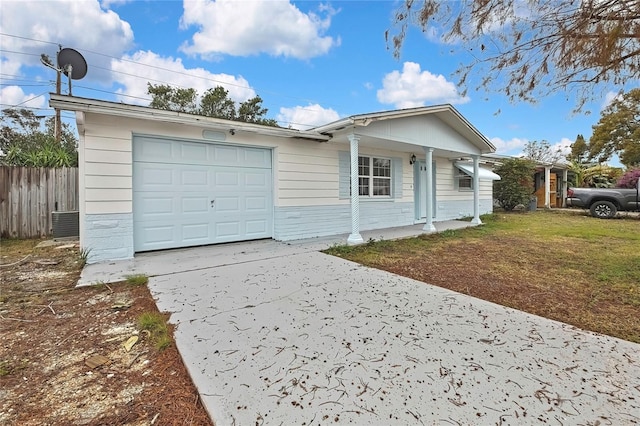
point(412, 159)
point(232, 132)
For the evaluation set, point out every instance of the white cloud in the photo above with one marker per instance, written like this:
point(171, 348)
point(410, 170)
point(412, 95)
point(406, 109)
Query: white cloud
point(564, 146)
point(14, 95)
point(108, 4)
point(306, 117)
point(510, 146)
point(514, 146)
point(608, 98)
point(42, 25)
point(245, 28)
point(413, 88)
point(133, 72)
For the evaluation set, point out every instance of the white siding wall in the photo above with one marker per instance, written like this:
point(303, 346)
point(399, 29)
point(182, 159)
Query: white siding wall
point(306, 182)
point(452, 202)
point(305, 172)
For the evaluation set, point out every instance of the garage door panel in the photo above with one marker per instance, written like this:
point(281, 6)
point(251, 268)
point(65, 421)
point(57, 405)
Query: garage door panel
point(153, 205)
point(191, 205)
point(226, 155)
point(227, 179)
point(196, 232)
point(173, 199)
point(256, 203)
point(227, 229)
point(158, 235)
point(190, 177)
point(155, 175)
point(228, 204)
point(255, 157)
point(157, 150)
point(257, 179)
point(192, 153)
point(256, 227)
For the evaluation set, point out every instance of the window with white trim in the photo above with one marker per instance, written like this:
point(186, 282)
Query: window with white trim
point(463, 181)
point(374, 176)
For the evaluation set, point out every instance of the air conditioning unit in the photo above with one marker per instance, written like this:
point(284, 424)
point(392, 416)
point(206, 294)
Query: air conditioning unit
point(65, 224)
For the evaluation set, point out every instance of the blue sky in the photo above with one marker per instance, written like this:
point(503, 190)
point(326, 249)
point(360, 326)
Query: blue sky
point(311, 62)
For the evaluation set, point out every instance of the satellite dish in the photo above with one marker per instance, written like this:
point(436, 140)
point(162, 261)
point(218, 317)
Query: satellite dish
point(72, 64)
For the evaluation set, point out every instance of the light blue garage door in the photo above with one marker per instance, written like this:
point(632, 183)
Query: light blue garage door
point(189, 193)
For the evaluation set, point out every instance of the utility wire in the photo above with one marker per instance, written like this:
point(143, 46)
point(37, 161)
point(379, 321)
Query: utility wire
point(149, 79)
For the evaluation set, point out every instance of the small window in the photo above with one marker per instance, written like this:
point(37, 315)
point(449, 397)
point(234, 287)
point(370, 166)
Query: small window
point(463, 181)
point(374, 176)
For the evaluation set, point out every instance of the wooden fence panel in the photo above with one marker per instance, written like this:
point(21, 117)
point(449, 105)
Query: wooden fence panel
point(28, 195)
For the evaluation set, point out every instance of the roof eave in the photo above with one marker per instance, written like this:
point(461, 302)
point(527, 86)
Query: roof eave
point(364, 120)
point(73, 103)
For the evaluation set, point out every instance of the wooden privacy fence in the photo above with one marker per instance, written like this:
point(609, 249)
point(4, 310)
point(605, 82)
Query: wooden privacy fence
point(28, 195)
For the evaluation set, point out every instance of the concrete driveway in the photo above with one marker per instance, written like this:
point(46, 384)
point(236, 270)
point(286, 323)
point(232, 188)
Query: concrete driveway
point(282, 334)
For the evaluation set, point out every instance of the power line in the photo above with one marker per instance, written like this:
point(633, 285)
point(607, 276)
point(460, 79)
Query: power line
point(30, 99)
point(27, 38)
point(149, 66)
point(219, 82)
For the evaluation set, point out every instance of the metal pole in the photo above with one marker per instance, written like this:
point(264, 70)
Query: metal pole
point(58, 123)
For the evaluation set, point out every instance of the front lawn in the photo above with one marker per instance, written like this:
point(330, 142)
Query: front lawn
point(567, 267)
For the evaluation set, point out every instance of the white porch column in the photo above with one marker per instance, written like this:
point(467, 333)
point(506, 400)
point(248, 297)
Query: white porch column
point(476, 190)
point(354, 237)
point(428, 185)
point(547, 187)
point(564, 185)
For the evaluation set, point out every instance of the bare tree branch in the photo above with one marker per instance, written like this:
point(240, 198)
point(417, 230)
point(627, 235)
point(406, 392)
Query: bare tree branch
point(529, 49)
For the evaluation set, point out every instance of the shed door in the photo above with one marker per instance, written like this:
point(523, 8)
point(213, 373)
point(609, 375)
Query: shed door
point(190, 193)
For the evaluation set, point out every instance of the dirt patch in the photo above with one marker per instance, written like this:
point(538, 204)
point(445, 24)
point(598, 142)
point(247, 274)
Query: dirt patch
point(49, 332)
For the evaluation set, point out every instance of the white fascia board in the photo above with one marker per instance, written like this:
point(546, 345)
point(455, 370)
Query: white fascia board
point(71, 103)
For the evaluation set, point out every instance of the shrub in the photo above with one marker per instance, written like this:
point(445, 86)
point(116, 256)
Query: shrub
point(516, 182)
point(629, 179)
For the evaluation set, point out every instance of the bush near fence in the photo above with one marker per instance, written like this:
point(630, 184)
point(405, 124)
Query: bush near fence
point(28, 195)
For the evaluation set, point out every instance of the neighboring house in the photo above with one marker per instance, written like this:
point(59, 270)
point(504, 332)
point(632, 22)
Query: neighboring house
point(550, 182)
point(154, 179)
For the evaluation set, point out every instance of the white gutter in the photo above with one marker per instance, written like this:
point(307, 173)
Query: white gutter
point(72, 103)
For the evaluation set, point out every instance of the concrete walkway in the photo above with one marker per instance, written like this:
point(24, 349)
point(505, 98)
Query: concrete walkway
point(281, 334)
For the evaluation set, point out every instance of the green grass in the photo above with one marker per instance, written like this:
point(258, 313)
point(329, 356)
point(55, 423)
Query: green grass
point(83, 255)
point(156, 325)
point(568, 267)
point(137, 279)
point(7, 367)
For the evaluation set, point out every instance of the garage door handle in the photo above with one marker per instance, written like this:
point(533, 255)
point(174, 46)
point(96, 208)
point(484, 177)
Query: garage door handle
point(213, 202)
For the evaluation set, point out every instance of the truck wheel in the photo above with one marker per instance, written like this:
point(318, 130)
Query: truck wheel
point(603, 209)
